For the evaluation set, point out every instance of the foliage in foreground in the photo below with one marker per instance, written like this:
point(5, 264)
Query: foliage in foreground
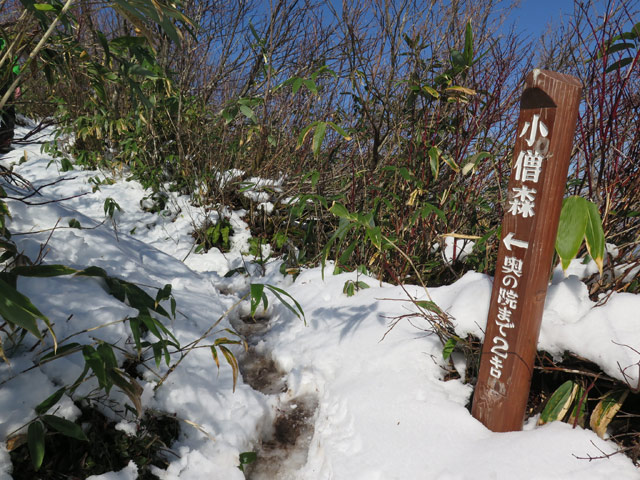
point(106, 365)
point(102, 449)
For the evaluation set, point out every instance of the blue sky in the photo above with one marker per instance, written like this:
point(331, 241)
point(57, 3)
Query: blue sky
point(533, 16)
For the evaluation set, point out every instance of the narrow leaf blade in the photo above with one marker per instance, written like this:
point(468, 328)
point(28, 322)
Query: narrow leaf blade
point(318, 137)
point(65, 427)
point(594, 235)
point(571, 229)
point(559, 403)
point(46, 404)
point(257, 294)
point(605, 410)
point(35, 442)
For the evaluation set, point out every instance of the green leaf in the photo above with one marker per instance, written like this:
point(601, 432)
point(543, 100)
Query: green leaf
point(93, 272)
point(233, 362)
point(431, 91)
point(157, 353)
point(164, 293)
point(255, 34)
point(129, 387)
point(343, 228)
point(18, 310)
point(559, 403)
point(65, 427)
point(214, 353)
point(429, 306)
point(116, 288)
point(35, 441)
point(44, 270)
point(606, 409)
point(150, 323)
point(594, 235)
point(167, 355)
point(341, 131)
point(616, 47)
point(449, 161)
point(428, 209)
point(340, 211)
point(139, 299)
point(571, 229)
point(457, 59)
point(110, 205)
point(279, 293)
point(468, 44)
point(140, 70)
point(374, 234)
point(43, 7)
point(134, 325)
point(405, 173)
point(474, 161)
point(346, 255)
point(45, 405)
point(247, 458)
point(226, 341)
point(620, 64)
point(296, 84)
point(318, 137)
point(228, 114)
point(66, 165)
point(60, 352)
point(247, 112)
point(94, 361)
point(434, 161)
point(108, 357)
point(257, 295)
point(349, 288)
point(171, 30)
point(579, 410)
point(447, 350)
point(311, 85)
point(303, 134)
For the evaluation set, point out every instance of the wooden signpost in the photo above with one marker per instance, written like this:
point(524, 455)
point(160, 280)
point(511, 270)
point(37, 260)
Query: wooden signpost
point(548, 115)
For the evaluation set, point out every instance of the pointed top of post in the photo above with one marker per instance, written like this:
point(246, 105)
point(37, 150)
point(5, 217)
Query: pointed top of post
point(547, 89)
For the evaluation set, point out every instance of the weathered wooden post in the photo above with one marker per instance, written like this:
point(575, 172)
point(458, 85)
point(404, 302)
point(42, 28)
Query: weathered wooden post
point(548, 114)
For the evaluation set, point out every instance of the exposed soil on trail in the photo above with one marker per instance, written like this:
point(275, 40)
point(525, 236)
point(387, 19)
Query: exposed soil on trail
point(261, 373)
point(284, 450)
point(282, 447)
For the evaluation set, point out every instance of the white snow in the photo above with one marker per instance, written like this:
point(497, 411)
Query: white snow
point(456, 249)
point(384, 411)
point(130, 472)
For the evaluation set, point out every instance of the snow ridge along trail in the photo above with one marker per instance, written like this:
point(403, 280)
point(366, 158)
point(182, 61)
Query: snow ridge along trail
point(197, 392)
point(383, 411)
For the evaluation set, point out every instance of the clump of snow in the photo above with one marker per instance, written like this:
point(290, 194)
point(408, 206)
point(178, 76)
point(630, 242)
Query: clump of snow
point(455, 249)
point(261, 190)
point(266, 207)
point(130, 472)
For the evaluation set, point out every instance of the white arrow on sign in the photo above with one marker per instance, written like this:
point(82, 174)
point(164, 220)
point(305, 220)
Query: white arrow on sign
point(509, 241)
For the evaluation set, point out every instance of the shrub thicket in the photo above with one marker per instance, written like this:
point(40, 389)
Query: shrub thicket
point(382, 106)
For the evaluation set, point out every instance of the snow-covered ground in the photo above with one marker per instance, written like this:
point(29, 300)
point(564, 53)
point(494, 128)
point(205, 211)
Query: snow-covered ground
point(379, 409)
